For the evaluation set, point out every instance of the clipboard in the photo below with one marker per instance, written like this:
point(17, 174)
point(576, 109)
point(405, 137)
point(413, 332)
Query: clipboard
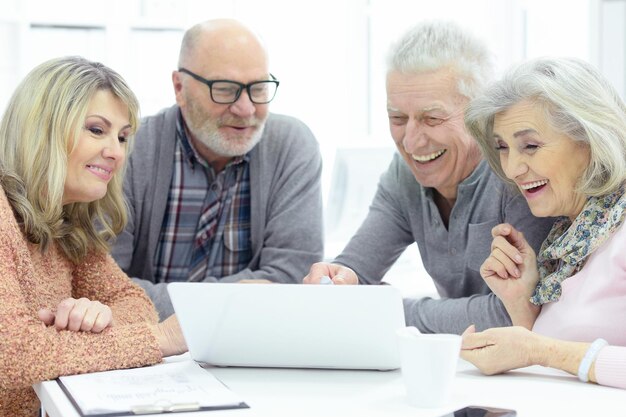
point(160, 389)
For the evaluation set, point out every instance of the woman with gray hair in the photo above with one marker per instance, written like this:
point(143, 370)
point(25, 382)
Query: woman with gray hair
point(556, 130)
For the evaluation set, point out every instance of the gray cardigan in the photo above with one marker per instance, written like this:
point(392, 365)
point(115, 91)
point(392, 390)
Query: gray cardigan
point(404, 212)
point(285, 194)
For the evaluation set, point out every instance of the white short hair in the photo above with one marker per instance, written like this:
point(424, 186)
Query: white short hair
point(432, 45)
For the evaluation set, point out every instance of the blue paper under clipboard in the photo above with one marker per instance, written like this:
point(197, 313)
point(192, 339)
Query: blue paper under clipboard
point(167, 388)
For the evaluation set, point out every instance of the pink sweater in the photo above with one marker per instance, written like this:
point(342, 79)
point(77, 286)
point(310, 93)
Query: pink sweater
point(31, 352)
point(593, 305)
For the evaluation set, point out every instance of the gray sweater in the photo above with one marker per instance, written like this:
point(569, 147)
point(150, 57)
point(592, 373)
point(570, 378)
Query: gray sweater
point(404, 212)
point(285, 198)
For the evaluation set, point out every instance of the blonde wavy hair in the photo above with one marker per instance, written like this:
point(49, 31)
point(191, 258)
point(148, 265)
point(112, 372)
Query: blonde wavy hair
point(37, 133)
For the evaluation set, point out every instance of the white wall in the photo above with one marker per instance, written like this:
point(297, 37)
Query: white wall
point(328, 54)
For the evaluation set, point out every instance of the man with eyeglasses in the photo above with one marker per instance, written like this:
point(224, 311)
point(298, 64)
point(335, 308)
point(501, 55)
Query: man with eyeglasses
point(219, 189)
point(438, 191)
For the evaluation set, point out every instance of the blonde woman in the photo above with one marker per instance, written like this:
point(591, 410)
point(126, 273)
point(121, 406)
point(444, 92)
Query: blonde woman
point(65, 306)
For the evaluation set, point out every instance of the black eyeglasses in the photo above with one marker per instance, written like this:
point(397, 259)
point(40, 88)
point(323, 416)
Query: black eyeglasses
point(227, 91)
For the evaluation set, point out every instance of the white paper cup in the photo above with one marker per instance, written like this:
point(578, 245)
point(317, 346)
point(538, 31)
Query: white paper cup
point(428, 363)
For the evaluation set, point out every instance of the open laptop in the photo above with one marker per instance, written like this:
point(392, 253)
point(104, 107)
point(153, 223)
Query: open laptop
point(290, 325)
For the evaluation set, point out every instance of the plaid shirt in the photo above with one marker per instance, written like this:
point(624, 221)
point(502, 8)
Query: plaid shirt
point(206, 228)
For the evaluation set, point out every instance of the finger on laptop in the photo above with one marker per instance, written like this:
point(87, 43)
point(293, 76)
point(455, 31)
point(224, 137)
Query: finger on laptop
point(316, 272)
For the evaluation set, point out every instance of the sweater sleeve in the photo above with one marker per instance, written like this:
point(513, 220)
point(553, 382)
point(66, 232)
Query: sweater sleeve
point(384, 234)
point(100, 278)
point(44, 352)
point(454, 315)
point(610, 367)
point(287, 230)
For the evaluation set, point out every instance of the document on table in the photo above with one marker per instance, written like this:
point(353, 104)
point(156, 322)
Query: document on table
point(164, 388)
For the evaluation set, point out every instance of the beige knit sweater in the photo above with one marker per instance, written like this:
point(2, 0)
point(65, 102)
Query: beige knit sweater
point(31, 352)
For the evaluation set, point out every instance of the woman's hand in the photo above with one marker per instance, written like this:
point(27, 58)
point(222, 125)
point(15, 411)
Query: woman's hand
point(511, 269)
point(500, 349)
point(170, 337)
point(511, 273)
point(78, 315)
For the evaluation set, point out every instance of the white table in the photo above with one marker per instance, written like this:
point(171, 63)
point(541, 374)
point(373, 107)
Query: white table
point(533, 392)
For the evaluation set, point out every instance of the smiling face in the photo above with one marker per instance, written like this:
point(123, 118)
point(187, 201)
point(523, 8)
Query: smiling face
point(222, 131)
point(99, 151)
point(426, 121)
point(546, 165)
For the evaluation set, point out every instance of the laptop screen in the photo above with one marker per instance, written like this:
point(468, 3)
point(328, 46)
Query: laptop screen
point(290, 325)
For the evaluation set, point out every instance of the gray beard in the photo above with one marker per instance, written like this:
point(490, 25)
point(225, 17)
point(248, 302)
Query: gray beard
point(227, 148)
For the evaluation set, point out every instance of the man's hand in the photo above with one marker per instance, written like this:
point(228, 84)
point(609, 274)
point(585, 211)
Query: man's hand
point(170, 337)
point(339, 274)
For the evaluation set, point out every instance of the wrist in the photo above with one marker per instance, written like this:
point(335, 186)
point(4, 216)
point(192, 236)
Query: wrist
point(523, 313)
point(585, 369)
point(540, 350)
point(560, 354)
point(170, 337)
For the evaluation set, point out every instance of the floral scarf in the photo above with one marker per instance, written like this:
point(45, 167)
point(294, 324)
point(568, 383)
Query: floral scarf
point(569, 244)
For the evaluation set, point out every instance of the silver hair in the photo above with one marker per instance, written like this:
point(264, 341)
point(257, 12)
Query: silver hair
point(577, 101)
point(432, 45)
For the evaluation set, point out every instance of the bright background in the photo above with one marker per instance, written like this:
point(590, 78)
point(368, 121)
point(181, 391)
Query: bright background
point(329, 57)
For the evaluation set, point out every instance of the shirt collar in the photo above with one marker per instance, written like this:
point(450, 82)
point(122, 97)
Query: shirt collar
point(474, 178)
point(469, 183)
